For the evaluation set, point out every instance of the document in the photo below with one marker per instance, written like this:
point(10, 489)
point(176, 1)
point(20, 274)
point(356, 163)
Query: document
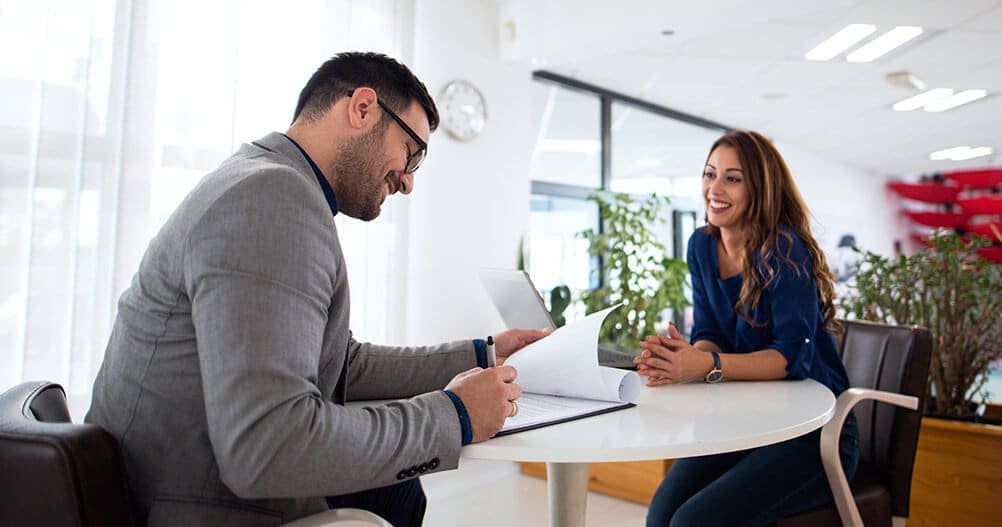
point(561, 379)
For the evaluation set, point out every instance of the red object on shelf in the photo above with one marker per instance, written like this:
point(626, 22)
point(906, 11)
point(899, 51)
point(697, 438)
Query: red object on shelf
point(986, 178)
point(993, 253)
point(985, 229)
point(923, 239)
point(938, 219)
point(983, 204)
point(926, 192)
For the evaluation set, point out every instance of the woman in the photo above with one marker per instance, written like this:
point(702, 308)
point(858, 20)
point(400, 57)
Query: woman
point(763, 307)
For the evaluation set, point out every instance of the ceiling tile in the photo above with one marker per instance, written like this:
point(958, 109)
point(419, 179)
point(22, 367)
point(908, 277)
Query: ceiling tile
point(925, 13)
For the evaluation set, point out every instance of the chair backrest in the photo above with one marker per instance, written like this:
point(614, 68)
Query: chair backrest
point(893, 359)
point(54, 472)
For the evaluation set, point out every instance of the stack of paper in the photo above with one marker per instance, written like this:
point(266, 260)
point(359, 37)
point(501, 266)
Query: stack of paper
point(562, 380)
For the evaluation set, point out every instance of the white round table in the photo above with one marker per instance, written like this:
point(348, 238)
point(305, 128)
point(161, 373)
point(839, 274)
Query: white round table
point(669, 422)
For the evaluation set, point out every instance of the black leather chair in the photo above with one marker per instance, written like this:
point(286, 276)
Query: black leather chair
point(54, 472)
point(887, 364)
point(57, 473)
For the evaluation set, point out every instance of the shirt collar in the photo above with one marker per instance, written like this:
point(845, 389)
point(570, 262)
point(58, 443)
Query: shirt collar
point(324, 184)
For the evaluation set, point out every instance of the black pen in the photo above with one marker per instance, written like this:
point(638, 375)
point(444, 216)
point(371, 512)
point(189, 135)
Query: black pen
point(492, 359)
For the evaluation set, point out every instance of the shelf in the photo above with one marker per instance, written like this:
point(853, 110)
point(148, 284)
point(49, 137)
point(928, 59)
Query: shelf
point(926, 192)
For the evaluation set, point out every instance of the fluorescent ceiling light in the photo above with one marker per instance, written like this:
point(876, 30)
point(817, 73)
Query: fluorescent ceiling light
point(841, 41)
point(922, 99)
point(948, 153)
point(971, 153)
point(960, 153)
point(884, 43)
point(963, 97)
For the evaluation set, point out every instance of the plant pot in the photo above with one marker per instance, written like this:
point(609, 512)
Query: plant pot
point(958, 472)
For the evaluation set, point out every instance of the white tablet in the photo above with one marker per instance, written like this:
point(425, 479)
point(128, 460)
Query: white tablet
point(516, 298)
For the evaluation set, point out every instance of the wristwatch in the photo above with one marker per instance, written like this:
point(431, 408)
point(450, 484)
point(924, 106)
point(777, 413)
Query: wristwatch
point(716, 374)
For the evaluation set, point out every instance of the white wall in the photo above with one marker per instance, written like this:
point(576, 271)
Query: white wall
point(471, 200)
point(470, 206)
point(844, 200)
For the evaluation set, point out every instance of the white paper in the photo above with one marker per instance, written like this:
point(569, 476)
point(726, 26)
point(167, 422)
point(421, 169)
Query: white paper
point(537, 409)
point(565, 363)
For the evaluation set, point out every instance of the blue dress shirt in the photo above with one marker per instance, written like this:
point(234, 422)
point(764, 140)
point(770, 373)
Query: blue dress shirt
point(789, 309)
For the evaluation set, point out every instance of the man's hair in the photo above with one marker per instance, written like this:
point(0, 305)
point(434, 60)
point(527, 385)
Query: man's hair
point(394, 84)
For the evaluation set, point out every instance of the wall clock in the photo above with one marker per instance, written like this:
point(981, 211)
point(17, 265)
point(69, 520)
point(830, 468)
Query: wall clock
point(463, 111)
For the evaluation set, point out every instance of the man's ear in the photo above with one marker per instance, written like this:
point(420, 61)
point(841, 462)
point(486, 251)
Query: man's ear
point(362, 106)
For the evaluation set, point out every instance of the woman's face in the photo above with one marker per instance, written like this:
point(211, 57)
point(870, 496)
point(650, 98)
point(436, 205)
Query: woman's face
point(725, 192)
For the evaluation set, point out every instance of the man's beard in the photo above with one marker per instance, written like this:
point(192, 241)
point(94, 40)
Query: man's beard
point(359, 187)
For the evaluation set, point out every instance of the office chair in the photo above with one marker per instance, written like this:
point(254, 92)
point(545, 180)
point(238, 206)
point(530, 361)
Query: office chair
point(888, 364)
point(55, 472)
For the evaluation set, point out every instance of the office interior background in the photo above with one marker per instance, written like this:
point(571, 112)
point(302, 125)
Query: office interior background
point(111, 111)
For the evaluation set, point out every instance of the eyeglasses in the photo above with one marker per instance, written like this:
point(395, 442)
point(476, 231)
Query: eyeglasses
point(414, 159)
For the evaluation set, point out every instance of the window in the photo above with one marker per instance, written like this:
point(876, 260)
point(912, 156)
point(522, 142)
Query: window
point(591, 139)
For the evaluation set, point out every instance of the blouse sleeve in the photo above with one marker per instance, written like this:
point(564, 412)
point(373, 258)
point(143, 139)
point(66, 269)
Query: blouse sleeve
point(704, 320)
point(793, 297)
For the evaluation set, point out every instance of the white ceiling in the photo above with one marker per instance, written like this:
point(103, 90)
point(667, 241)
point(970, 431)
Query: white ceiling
point(740, 63)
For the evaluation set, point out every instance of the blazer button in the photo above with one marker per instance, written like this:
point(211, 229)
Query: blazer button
point(433, 464)
point(402, 474)
point(422, 468)
point(412, 471)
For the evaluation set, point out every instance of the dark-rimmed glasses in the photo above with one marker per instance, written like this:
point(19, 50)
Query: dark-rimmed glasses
point(415, 159)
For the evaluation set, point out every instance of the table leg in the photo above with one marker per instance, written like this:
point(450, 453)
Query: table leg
point(567, 488)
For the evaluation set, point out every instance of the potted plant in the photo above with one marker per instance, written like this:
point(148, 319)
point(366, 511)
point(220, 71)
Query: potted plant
point(950, 290)
point(635, 266)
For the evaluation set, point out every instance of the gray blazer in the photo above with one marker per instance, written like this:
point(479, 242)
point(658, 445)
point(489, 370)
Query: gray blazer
point(230, 360)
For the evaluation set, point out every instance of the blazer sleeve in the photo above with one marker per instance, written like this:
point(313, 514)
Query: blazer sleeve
point(704, 319)
point(388, 372)
point(793, 301)
point(258, 268)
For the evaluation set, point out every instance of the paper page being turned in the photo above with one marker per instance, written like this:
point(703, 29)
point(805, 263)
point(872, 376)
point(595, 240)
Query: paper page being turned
point(561, 378)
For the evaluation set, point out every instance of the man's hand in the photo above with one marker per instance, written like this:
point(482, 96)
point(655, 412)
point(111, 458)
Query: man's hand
point(487, 395)
point(515, 339)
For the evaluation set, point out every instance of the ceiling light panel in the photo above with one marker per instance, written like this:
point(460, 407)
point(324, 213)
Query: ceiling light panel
point(960, 153)
point(841, 41)
point(917, 101)
point(884, 43)
point(971, 153)
point(957, 99)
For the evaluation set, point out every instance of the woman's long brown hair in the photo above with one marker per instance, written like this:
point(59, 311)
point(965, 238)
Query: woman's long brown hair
point(773, 201)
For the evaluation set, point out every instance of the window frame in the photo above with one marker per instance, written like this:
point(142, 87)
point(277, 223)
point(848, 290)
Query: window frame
point(606, 98)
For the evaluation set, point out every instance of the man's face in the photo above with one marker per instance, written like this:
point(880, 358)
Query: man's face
point(373, 166)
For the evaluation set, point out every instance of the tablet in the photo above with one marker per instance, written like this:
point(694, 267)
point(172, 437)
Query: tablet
point(516, 298)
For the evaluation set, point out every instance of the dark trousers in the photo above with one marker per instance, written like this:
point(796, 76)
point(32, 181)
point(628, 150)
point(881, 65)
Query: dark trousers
point(402, 505)
point(751, 487)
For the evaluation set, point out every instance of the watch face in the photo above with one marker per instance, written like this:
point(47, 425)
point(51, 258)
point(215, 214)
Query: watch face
point(714, 376)
point(463, 111)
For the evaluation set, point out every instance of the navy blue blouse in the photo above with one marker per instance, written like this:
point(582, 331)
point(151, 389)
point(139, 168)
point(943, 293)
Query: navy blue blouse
point(789, 308)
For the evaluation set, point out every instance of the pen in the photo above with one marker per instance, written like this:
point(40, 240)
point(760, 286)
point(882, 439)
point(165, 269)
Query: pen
point(492, 359)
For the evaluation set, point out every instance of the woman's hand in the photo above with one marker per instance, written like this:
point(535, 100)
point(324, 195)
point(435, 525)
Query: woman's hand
point(513, 340)
point(670, 359)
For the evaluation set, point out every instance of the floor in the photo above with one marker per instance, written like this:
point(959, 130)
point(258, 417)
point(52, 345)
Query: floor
point(494, 493)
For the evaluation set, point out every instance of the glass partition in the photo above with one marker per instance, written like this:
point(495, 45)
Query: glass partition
point(568, 136)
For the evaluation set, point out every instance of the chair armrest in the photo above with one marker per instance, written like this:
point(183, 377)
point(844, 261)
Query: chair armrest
point(830, 457)
point(340, 518)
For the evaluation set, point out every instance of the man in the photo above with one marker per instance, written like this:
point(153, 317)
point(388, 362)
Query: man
point(230, 359)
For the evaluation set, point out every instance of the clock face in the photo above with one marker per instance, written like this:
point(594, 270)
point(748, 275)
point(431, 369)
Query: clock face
point(464, 114)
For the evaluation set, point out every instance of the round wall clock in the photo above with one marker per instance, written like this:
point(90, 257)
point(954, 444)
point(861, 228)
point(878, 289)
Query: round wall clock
point(463, 111)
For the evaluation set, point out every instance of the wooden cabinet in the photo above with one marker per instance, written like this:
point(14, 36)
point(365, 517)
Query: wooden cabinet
point(958, 475)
